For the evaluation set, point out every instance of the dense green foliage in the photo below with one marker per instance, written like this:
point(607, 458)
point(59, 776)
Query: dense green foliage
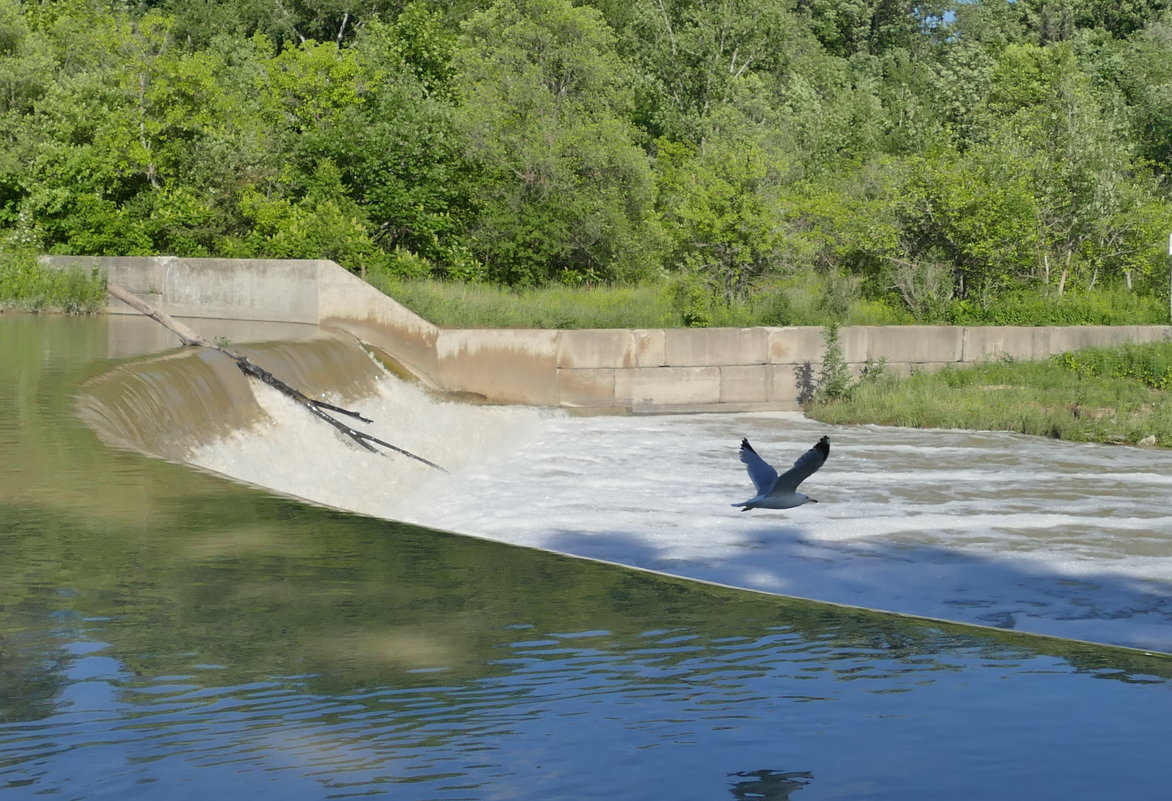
point(975, 161)
point(1117, 395)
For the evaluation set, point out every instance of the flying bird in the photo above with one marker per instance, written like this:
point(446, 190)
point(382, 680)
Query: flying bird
point(781, 492)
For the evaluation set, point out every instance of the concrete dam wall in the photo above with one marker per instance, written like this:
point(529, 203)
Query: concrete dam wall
point(649, 370)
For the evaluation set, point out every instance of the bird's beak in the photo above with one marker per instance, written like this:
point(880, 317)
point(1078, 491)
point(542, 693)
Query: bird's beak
point(813, 500)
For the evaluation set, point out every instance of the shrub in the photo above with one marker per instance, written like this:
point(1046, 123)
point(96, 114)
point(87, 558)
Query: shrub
point(693, 301)
point(26, 283)
point(1150, 365)
point(1093, 307)
point(834, 378)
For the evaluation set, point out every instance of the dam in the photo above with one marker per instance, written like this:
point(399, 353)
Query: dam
point(574, 591)
point(638, 370)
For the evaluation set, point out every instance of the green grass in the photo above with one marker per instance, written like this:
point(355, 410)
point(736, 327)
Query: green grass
point(456, 305)
point(26, 284)
point(1102, 306)
point(1094, 395)
point(666, 304)
point(808, 298)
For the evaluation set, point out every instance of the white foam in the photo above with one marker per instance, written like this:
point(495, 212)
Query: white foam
point(1001, 529)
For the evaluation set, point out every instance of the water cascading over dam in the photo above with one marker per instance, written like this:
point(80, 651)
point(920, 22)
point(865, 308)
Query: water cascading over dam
point(986, 528)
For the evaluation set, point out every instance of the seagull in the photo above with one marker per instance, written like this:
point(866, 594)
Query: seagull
point(781, 492)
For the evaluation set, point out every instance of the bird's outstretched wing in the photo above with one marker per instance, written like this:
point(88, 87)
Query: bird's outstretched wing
point(762, 474)
point(806, 465)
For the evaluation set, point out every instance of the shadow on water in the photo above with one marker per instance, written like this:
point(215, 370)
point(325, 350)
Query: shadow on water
point(1111, 598)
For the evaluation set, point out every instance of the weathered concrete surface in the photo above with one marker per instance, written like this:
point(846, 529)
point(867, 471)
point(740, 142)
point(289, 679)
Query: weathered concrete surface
point(714, 347)
point(610, 348)
point(347, 302)
point(639, 370)
point(505, 365)
point(914, 344)
point(643, 388)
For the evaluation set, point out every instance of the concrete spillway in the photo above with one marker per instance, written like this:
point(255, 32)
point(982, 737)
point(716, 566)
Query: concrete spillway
point(994, 529)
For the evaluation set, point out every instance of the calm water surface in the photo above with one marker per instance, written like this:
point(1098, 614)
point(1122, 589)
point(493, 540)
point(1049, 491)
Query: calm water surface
point(165, 633)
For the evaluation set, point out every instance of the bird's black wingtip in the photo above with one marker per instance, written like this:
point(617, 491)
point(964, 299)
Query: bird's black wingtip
point(745, 446)
point(824, 445)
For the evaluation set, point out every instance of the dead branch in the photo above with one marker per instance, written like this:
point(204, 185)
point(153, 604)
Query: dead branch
point(318, 408)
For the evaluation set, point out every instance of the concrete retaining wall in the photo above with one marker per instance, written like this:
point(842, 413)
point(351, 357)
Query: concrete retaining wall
point(673, 369)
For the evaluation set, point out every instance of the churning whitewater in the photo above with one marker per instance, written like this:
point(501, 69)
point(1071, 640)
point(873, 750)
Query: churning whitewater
point(1049, 537)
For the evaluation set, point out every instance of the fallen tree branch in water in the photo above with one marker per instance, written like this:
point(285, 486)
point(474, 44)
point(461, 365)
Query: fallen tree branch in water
point(318, 408)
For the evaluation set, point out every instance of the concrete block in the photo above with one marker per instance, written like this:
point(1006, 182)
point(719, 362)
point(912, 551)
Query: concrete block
point(610, 348)
point(900, 369)
point(667, 386)
point(588, 387)
point(928, 367)
point(991, 343)
point(348, 303)
point(1153, 333)
point(795, 344)
point(744, 383)
point(140, 275)
point(256, 289)
point(1067, 338)
point(414, 353)
point(790, 384)
point(593, 348)
point(1060, 339)
point(912, 343)
point(650, 347)
point(710, 347)
point(509, 366)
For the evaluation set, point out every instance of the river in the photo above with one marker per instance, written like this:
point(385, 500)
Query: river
point(168, 632)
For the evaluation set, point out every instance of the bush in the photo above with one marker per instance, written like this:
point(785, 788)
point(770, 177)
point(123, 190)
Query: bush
point(834, 379)
point(693, 301)
point(1150, 364)
point(1094, 307)
point(25, 283)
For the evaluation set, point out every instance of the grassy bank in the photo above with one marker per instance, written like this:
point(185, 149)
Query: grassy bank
point(1116, 395)
point(26, 285)
point(671, 303)
point(806, 299)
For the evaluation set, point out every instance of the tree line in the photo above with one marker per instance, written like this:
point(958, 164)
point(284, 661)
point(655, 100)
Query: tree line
point(926, 155)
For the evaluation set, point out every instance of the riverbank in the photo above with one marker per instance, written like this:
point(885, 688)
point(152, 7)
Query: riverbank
point(1115, 395)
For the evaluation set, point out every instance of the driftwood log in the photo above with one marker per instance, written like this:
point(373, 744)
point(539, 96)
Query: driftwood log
point(319, 409)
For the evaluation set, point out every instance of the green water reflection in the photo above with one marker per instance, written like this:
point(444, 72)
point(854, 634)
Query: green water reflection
point(191, 634)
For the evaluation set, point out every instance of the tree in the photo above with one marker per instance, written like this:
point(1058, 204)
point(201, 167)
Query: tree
point(565, 192)
point(135, 143)
point(691, 55)
point(321, 224)
point(1059, 20)
point(399, 155)
point(720, 204)
point(847, 27)
point(295, 22)
point(1144, 76)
